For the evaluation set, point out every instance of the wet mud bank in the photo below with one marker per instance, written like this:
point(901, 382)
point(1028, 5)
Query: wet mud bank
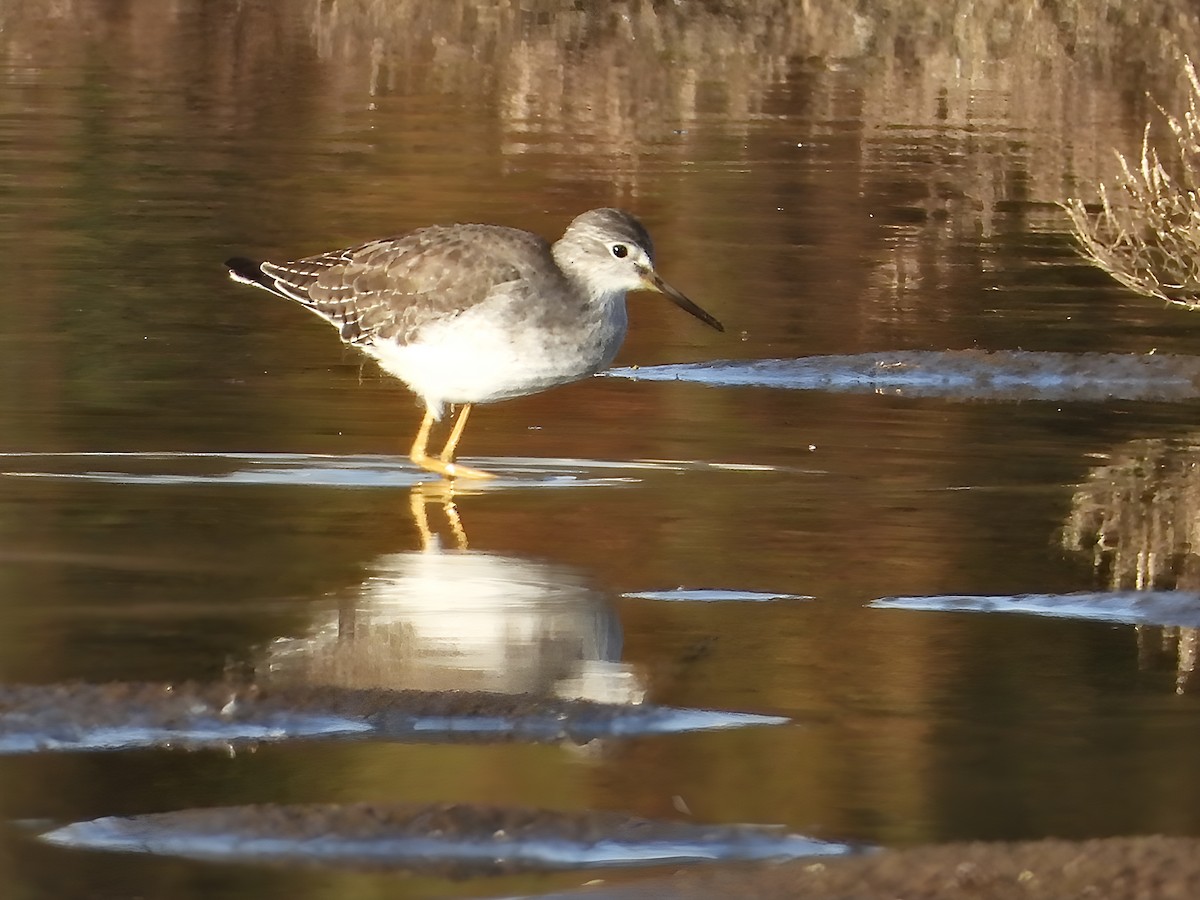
point(459, 840)
point(125, 715)
point(1134, 868)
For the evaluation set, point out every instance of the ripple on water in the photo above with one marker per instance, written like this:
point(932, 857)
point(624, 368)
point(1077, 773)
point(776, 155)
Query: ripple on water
point(319, 470)
point(1179, 608)
point(714, 595)
point(962, 374)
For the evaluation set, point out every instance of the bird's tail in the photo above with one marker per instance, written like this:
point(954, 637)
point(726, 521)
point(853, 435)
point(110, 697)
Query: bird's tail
point(247, 271)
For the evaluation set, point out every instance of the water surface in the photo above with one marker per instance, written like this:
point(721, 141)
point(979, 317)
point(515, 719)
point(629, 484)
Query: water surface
point(199, 483)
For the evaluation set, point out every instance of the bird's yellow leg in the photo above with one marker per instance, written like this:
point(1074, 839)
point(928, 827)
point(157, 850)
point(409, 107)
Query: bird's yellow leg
point(443, 465)
point(456, 434)
point(417, 454)
point(447, 454)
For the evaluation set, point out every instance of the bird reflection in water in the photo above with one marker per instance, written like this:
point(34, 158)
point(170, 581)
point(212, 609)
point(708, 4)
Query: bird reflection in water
point(460, 619)
point(419, 498)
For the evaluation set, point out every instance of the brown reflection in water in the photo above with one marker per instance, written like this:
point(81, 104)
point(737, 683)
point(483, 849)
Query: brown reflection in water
point(999, 106)
point(1139, 517)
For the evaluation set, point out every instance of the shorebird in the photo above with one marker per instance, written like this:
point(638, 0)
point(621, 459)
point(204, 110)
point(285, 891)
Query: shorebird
point(467, 314)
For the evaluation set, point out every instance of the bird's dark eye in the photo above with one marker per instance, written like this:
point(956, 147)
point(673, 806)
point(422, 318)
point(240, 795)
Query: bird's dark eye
point(620, 251)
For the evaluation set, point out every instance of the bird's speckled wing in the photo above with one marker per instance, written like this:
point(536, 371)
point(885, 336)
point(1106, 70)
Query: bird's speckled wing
point(389, 289)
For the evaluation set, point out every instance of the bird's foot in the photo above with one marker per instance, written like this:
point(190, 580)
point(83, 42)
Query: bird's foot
point(448, 469)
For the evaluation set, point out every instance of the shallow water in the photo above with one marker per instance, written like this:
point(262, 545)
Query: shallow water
point(198, 482)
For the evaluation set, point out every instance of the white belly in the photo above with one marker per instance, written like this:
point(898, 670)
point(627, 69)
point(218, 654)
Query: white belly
point(472, 360)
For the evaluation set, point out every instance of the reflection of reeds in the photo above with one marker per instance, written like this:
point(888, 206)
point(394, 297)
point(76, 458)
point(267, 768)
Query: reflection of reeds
point(1139, 517)
point(1147, 236)
point(565, 80)
point(927, 86)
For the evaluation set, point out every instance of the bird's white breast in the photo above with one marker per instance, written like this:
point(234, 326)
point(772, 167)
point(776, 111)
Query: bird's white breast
point(488, 354)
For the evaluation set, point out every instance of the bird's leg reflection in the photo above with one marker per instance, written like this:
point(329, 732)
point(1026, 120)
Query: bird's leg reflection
point(443, 493)
point(432, 617)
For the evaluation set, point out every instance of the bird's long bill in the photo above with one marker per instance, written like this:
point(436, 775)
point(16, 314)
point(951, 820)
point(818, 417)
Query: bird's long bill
point(655, 283)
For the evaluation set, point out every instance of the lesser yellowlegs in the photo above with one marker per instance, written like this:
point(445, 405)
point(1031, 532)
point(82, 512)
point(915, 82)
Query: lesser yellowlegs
point(467, 314)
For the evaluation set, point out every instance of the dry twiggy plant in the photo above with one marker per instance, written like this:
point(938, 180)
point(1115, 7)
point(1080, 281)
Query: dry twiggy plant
point(1147, 236)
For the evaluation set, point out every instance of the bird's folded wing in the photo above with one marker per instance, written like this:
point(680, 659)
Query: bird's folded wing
point(391, 288)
